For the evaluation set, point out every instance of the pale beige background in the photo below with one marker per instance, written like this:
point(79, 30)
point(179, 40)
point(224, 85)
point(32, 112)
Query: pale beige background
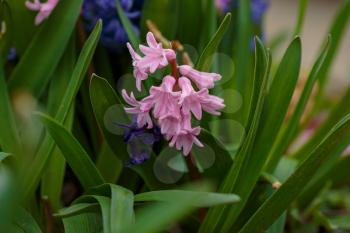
point(282, 16)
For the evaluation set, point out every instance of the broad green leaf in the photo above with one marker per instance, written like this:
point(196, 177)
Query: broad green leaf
point(207, 57)
point(9, 138)
point(8, 191)
point(74, 153)
point(4, 156)
point(202, 199)
point(104, 100)
point(121, 205)
point(217, 215)
point(83, 223)
point(77, 209)
point(301, 16)
point(188, 31)
point(26, 222)
point(34, 172)
point(279, 225)
point(340, 172)
point(210, 21)
point(52, 180)
point(129, 28)
point(122, 208)
point(21, 25)
point(289, 191)
point(243, 57)
point(108, 164)
point(160, 216)
point(7, 36)
point(337, 31)
point(105, 206)
point(223, 160)
point(45, 50)
point(274, 110)
point(337, 112)
point(164, 13)
point(288, 132)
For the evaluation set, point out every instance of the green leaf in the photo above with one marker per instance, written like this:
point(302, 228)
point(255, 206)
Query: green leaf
point(223, 160)
point(74, 153)
point(217, 215)
point(129, 28)
point(288, 132)
point(31, 180)
point(283, 197)
point(9, 138)
point(274, 110)
point(52, 180)
point(163, 13)
point(301, 16)
point(106, 105)
point(8, 191)
point(103, 99)
point(337, 112)
point(83, 223)
point(207, 57)
point(340, 172)
point(4, 156)
point(202, 199)
point(160, 216)
point(77, 209)
point(278, 226)
point(210, 19)
point(46, 49)
point(20, 26)
point(243, 57)
point(108, 164)
point(26, 222)
point(121, 212)
point(337, 31)
point(188, 32)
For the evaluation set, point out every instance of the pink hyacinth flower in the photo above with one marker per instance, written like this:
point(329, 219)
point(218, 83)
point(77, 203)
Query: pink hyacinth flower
point(140, 108)
point(44, 9)
point(190, 100)
point(201, 79)
point(155, 56)
point(195, 102)
point(185, 140)
point(170, 124)
point(140, 74)
point(165, 100)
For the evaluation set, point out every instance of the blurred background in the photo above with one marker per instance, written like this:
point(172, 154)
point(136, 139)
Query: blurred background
point(281, 16)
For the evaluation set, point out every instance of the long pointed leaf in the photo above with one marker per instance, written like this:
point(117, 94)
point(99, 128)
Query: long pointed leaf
point(44, 52)
point(32, 179)
point(76, 156)
point(289, 190)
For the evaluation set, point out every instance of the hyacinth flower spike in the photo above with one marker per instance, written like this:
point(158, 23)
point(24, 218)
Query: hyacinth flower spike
point(44, 9)
point(155, 57)
point(201, 79)
point(172, 104)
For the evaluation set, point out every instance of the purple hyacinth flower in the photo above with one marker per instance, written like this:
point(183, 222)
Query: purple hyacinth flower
point(113, 35)
point(140, 141)
point(222, 5)
point(259, 7)
point(12, 55)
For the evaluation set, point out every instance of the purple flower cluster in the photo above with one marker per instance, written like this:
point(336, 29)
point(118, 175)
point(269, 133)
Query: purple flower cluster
point(113, 34)
point(258, 7)
point(12, 55)
point(140, 141)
